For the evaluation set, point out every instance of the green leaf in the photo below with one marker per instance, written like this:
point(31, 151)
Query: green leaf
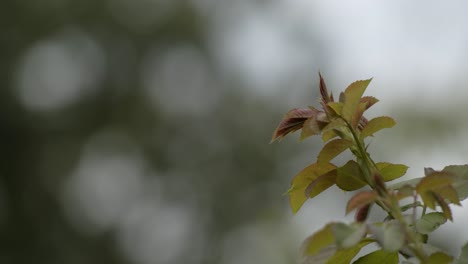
point(333, 149)
point(329, 134)
point(463, 258)
point(334, 124)
point(430, 222)
point(347, 236)
point(320, 184)
point(379, 256)
point(345, 256)
point(439, 258)
point(390, 171)
point(302, 180)
point(461, 181)
point(360, 199)
point(376, 124)
point(389, 235)
point(337, 107)
point(457, 170)
point(319, 247)
point(319, 240)
point(350, 177)
point(352, 97)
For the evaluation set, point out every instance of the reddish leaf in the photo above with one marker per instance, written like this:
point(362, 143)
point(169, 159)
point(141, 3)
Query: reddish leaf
point(292, 121)
point(323, 91)
point(361, 199)
point(314, 125)
point(369, 101)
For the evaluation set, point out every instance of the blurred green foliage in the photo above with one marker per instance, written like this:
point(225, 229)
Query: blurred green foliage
point(217, 162)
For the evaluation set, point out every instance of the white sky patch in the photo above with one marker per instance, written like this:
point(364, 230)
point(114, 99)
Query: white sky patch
point(412, 49)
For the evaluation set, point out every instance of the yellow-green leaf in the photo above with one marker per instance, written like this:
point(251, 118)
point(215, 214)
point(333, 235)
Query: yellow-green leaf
point(320, 184)
point(329, 134)
point(345, 256)
point(360, 199)
point(350, 177)
point(319, 241)
point(352, 97)
point(376, 124)
point(300, 182)
point(390, 171)
point(380, 257)
point(333, 149)
point(337, 107)
point(449, 193)
point(434, 181)
point(356, 117)
point(445, 207)
point(334, 124)
point(439, 258)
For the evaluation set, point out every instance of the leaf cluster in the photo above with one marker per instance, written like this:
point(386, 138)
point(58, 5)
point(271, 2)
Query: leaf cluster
point(404, 232)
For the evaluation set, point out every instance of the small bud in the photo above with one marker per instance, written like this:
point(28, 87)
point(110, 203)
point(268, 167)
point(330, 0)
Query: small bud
point(379, 184)
point(362, 213)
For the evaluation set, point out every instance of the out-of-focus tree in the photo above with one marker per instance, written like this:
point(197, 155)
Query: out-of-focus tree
point(122, 143)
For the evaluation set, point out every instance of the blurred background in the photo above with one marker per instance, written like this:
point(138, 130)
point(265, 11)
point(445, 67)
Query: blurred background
point(136, 131)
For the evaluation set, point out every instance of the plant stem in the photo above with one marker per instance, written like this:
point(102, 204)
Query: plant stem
point(393, 207)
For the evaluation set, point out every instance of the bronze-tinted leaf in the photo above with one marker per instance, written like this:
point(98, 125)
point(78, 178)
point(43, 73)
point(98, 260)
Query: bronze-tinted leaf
point(323, 91)
point(362, 213)
point(361, 199)
point(369, 101)
point(292, 121)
